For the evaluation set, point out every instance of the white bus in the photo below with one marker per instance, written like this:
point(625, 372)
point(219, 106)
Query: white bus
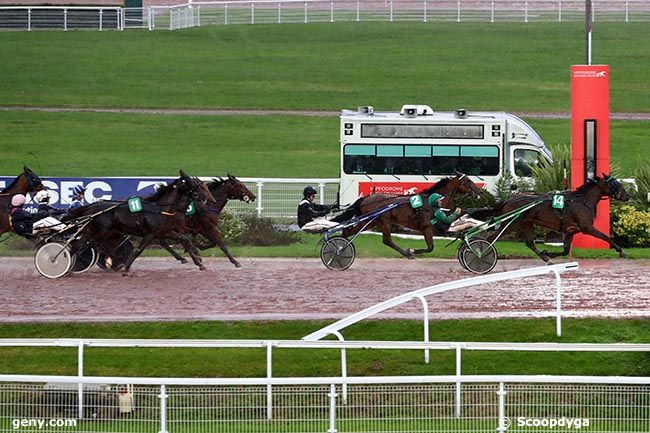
point(407, 151)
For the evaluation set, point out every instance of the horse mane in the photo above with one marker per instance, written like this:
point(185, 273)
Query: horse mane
point(216, 183)
point(584, 188)
point(162, 190)
point(440, 184)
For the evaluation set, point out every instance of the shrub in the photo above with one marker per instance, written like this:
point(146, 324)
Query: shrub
point(231, 227)
point(554, 177)
point(642, 178)
point(630, 226)
point(261, 232)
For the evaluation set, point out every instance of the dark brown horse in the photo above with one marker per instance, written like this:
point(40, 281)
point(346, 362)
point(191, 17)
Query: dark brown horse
point(404, 215)
point(162, 216)
point(577, 215)
point(204, 224)
point(24, 183)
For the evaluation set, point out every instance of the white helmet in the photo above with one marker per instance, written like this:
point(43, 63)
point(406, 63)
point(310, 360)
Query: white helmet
point(43, 196)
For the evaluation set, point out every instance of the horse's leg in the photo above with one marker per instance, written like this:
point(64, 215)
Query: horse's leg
point(190, 248)
point(528, 233)
point(593, 231)
point(428, 238)
point(165, 245)
point(215, 236)
point(135, 254)
point(568, 238)
point(385, 230)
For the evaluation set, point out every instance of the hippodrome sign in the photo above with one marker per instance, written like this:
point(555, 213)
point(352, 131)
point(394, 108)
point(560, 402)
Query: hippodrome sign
point(590, 139)
point(97, 188)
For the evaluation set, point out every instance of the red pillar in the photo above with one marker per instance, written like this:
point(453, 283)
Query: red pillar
point(590, 138)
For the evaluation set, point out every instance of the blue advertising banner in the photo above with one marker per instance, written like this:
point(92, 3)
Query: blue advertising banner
point(97, 188)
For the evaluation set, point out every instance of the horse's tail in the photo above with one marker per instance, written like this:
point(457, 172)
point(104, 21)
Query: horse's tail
point(350, 212)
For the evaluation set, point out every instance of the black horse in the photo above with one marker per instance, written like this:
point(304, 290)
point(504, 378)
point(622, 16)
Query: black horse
point(204, 224)
point(577, 215)
point(160, 216)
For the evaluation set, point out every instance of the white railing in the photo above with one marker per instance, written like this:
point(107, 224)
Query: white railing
point(387, 404)
point(61, 18)
point(197, 13)
point(279, 197)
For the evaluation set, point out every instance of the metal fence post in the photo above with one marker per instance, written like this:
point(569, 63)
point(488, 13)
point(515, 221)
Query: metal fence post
point(306, 13)
point(525, 12)
point(458, 13)
point(559, 11)
point(331, 12)
point(358, 11)
point(29, 20)
point(65, 20)
point(163, 409)
point(458, 381)
point(269, 375)
point(425, 10)
point(425, 320)
point(80, 375)
point(391, 11)
point(321, 192)
point(260, 185)
point(332, 395)
point(502, 409)
point(252, 13)
point(101, 18)
point(558, 304)
point(279, 13)
point(492, 13)
point(225, 14)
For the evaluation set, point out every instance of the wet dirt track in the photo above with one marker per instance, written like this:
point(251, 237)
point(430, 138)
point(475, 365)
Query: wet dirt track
point(275, 289)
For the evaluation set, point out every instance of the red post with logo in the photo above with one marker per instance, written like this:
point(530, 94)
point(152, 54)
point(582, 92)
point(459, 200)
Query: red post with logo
point(590, 138)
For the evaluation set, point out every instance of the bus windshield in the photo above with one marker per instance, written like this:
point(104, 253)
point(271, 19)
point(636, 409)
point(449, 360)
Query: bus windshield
point(406, 159)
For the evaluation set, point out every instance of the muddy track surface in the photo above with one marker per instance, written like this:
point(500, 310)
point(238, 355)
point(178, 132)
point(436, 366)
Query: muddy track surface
point(278, 289)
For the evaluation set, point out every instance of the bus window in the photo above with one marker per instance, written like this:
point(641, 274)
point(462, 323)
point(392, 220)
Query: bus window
point(479, 160)
point(358, 158)
point(525, 160)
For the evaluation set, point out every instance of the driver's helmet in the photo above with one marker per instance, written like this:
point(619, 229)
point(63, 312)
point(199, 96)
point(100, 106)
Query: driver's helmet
point(78, 191)
point(309, 190)
point(18, 200)
point(433, 199)
point(43, 196)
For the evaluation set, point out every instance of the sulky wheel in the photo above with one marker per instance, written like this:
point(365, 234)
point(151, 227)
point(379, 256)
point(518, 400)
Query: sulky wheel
point(338, 253)
point(84, 260)
point(480, 256)
point(53, 260)
point(460, 252)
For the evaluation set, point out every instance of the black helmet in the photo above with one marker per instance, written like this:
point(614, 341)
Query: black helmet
point(309, 190)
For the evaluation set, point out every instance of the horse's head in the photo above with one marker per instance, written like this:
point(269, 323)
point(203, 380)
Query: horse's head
point(615, 189)
point(232, 189)
point(195, 189)
point(466, 186)
point(33, 181)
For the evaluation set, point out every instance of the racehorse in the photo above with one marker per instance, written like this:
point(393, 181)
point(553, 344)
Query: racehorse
point(162, 216)
point(577, 215)
point(24, 183)
point(405, 215)
point(204, 224)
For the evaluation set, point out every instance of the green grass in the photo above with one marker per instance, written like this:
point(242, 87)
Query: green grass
point(508, 66)
point(294, 362)
point(102, 144)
